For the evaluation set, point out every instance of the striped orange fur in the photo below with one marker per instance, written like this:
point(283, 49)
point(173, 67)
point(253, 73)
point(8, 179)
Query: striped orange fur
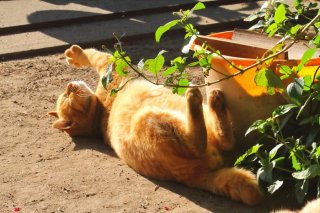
point(157, 133)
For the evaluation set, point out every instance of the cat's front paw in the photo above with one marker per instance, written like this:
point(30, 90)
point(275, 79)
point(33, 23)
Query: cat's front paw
point(75, 56)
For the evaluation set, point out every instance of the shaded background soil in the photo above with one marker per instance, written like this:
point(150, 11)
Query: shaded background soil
point(44, 170)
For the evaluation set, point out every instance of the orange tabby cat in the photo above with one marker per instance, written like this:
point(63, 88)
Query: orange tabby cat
point(157, 133)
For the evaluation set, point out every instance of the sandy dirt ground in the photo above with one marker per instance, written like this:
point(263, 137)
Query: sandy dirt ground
point(44, 170)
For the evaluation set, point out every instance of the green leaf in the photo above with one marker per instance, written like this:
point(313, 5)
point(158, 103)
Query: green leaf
point(259, 125)
point(272, 29)
point(308, 54)
point(275, 186)
point(258, 25)
point(280, 14)
point(107, 78)
point(260, 78)
point(295, 164)
point(276, 48)
point(285, 70)
point(273, 79)
point(155, 65)
point(178, 61)
point(254, 149)
point(192, 64)
point(265, 173)
point(311, 172)
point(282, 109)
point(251, 17)
point(141, 64)
point(295, 90)
point(198, 6)
point(301, 190)
point(164, 28)
point(294, 30)
point(183, 82)
point(267, 78)
point(121, 66)
point(114, 92)
point(297, 3)
point(307, 82)
point(279, 159)
point(162, 52)
point(316, 41)
point(169, 71)
point(274, 151)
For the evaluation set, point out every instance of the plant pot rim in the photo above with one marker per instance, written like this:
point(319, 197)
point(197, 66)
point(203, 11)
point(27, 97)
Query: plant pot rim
point(228, 35)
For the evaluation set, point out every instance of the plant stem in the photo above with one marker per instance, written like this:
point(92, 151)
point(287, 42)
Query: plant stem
point(283, 169)
point(288, 148)
point(127, 81)
point(240, 70)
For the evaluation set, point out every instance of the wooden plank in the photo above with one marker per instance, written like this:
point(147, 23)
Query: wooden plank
point(102, 31)
point(236, 48)
point(262, 41)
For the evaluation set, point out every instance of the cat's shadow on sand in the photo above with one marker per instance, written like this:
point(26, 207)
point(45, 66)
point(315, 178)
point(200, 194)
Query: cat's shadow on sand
point(206, 200)
point(92, 144)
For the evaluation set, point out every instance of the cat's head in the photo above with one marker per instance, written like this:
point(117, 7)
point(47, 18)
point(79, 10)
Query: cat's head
point(76, 110)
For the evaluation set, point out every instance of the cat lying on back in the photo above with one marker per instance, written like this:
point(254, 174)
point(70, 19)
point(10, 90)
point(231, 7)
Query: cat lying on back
point(159, 134)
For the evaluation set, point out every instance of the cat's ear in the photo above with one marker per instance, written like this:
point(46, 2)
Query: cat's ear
point(62, 124)
point(53, 113)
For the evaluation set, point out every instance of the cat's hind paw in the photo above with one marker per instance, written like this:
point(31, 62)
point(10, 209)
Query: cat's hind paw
point(75, 56)
point(251, 194)
point(216, 99)
point(238, 184)
point(194, 96)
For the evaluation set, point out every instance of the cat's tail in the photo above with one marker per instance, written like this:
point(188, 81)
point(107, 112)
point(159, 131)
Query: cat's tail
point(235, 183)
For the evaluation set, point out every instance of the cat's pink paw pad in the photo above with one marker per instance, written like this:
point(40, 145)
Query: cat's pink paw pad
point(72, 55)
point(73, 51)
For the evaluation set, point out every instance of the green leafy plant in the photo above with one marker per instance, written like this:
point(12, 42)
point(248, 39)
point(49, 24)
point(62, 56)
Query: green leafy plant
point(289, 149)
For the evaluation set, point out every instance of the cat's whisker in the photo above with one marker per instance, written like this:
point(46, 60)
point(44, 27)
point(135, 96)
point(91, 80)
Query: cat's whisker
point(82, 93)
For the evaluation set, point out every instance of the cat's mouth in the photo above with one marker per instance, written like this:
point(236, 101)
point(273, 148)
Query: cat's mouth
point(69, 125)
point(79, 88)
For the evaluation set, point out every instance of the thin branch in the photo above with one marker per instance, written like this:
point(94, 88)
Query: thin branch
point(130, 79)
point(240, 70)
point(315, 74)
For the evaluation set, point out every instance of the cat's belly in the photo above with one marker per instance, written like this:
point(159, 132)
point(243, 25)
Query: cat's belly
point(160, 160)
point(143, 126)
